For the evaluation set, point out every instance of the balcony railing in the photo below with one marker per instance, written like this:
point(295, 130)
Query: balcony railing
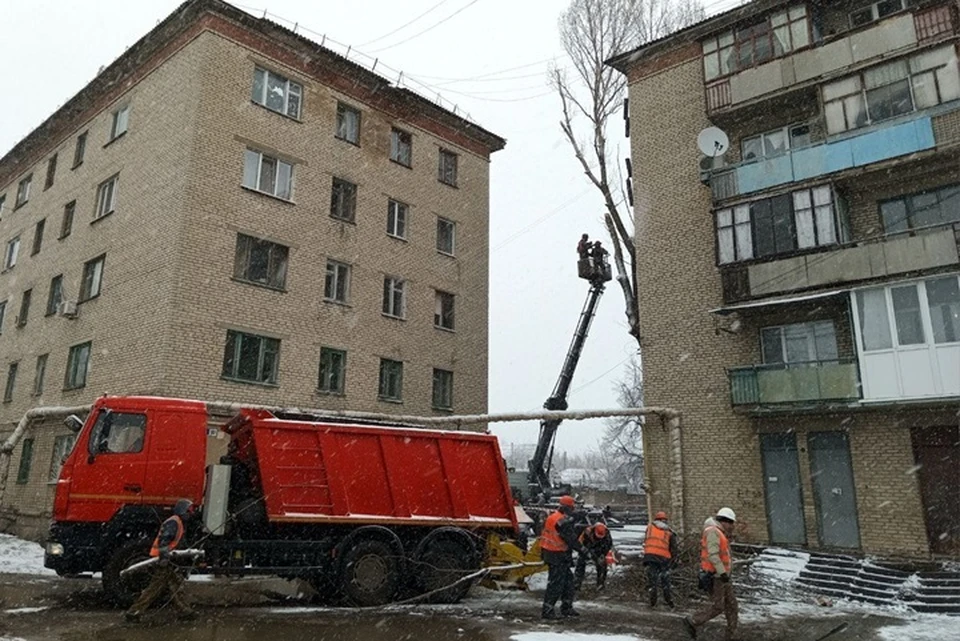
point(795, 383)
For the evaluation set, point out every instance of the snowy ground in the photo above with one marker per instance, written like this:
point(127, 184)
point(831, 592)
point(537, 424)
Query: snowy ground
point(21, 557)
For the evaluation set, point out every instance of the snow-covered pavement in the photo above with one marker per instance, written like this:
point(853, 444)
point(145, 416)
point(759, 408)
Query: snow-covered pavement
point(21, 557)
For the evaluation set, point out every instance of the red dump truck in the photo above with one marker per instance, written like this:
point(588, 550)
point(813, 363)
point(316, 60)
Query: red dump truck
point(363, 512)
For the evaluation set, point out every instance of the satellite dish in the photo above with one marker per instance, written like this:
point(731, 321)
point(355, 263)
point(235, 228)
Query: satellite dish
point(713, 142)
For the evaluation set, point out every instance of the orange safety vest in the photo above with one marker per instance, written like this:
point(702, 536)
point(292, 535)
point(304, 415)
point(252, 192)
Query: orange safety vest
point(550, 539)
point(586, 535)
point(705, 564)
point(155, 549)
point(657, 542)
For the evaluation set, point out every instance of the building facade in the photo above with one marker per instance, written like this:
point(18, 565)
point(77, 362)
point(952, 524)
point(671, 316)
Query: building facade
point(232, 212)
point(800, 286)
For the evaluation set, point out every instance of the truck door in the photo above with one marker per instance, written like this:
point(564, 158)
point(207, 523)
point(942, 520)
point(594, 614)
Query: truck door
point(110, 472)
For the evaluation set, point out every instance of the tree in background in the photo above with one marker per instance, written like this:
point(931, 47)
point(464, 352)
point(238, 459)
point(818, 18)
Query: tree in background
point(593, 31)
point(621, 445)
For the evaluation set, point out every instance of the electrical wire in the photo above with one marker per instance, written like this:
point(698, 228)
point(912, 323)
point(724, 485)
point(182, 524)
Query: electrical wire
point(428, 29)
point(404, 25)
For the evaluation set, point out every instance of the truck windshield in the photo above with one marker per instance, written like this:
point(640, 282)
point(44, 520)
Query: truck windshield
point(118, 433)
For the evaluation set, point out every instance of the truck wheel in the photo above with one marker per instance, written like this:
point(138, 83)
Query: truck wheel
point(122, 591)
point(370, 573)
point(443, 563)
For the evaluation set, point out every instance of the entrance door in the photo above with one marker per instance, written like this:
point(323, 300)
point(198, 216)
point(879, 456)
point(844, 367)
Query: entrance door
point(937, 452)
point(833, 492)
point(781, 480)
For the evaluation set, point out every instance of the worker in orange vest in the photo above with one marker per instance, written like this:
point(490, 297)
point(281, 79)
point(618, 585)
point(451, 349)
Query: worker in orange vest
point(715, 565)
point(659, 555)
point(166, 577)
point(596, 542)
point(557, 542)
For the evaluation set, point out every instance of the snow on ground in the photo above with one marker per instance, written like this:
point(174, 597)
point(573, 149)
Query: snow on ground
point(928, 628)
point(776, 564)
point(21, 557)
point(573, 636)
point(27, 610)
point(628, 540)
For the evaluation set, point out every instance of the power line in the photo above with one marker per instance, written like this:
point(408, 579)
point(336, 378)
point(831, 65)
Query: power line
point(430, 28)
point(403, 26)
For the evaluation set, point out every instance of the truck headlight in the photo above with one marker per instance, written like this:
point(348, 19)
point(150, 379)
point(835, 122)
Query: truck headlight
point(55, 549)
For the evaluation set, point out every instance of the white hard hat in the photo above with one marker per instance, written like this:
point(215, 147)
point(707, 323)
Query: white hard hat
point(727, 513)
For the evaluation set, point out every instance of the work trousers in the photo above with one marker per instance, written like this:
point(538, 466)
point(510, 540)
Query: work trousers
point(724, 602)
point(560, 586)
point(599, 563)
point(166, 580)
point(658, 576)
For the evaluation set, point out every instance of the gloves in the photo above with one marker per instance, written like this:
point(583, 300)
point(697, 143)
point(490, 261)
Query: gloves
point(724, 578)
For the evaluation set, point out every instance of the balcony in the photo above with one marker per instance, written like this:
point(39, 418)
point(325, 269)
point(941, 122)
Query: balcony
point(896, 34)
point(797, 383)
point(881, 142)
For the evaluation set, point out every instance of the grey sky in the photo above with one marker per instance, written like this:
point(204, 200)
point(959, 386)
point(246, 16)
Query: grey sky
point(540, 200)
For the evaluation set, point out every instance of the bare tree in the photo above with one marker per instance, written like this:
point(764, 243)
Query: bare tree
point(592, 31)
point(622, 442)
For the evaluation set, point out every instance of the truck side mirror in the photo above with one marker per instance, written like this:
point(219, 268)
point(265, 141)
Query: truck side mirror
point(73, 423)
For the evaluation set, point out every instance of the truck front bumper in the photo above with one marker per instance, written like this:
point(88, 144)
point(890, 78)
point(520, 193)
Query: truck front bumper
point(73, 548)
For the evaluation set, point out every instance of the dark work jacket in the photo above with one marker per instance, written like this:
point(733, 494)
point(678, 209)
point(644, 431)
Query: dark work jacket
point(598, 546)
point(566, 531)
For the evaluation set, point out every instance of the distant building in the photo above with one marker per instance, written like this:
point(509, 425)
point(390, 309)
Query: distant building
point(810, 271)
point(232, 212)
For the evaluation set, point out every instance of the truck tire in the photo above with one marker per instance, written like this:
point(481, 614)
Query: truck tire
point(443, 563)
point(123, 591)
point(370, 573)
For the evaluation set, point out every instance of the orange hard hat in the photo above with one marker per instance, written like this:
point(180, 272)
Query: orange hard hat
point(600, 529)
point(568, 501)
point(660, 516)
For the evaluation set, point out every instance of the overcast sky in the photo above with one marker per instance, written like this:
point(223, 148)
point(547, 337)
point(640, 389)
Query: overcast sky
point(490, 57)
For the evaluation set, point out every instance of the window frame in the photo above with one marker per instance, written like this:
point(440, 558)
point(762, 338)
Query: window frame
point(40, 374)
point(3, 314)
point(38, 230)
point(729, 42)
point(874, 13)
point(330, 371)
point(910, 210)
point(397, 214)
point(391, 375)
point(400, 140)
point(810, 337)
point(394, 286)
point(13, 368)
point(337, 272)
point(12, 253)
point(25, 464)
point(66, 222)
point(287, 83)
point(26, 299)
point(442, 383)
point(277, 261)
point(106, 202)
point(441, 221)
point(60, 454)
point(51, 172)
point(74, 378)
point(343, 195)
point(263, 348)
point(342, 123)
point(444, 313)
point(79, 149)
point(89, 274)
point(278, 192)
point(102, 433)
point(443, 168)
point(120, 122)
point(788, 137)
point(23, 191)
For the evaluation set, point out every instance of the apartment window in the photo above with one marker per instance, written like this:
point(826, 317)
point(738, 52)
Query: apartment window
point(394, 298)
point(775, 142)
point(11, 382)
point(396, 219)
point(260, 261)
point(892, 89)
point(78, 364)
point(401, 147)
point(25, 299)
point(799, 343)
point(343, 200)
point(442, 389)
point(348, 123)
point(251, 358)
point(337, 285)
point(923, 209)
point(51, 172)
point(778, 34)
point(106, 197)
point(447, 172)
point(10, 256)
point(333, 369)
point(79, 150)
point(39, 374)
point(781, 224)
point(55, 297)
point(268, 175)
point(66, 225)
point(391, 380)
point(876, 11)
point(3, 313)
point(277, 93)
point(943, 302)
point(38, 237)
point(26, 460)
point(62, 445)
point(121, 118)
point(92, 278)
point(3, 203)
point(446, 236)
point(23, 191)
point(443, 315)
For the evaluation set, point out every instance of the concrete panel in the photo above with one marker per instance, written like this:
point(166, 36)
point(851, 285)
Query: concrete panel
point(890, 142)
point(778, 276)
point(788, 75)
point(878, 259)
point(751, 83)
point(839, 266)
point(764, 173)
point(813, 63)
point(939, 248)
point(886, 37)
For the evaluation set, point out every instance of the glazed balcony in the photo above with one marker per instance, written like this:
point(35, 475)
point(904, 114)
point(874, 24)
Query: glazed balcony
point(813, 383)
